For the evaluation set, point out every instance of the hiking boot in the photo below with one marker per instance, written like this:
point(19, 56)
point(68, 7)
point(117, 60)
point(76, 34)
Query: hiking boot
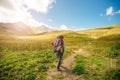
point(59, 70)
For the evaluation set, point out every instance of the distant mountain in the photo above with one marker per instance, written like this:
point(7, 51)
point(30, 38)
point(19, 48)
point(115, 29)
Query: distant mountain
point(21, 29)
point(44, 28)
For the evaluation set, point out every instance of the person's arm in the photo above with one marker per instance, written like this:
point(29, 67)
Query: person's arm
point(57, 42)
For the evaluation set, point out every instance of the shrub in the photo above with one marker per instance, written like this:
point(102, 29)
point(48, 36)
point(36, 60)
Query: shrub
point(42, 68)
point(114, 53)
point(117, 46)
point(78, 69)
point(79, 65)
point(5, 78)
point(112, 75)
point(115, 50)
point(31, 76)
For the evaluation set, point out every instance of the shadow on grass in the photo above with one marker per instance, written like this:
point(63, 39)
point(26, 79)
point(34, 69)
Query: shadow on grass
point(67, 71)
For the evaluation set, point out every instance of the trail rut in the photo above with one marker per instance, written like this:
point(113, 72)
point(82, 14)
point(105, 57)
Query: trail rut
point(66, 68)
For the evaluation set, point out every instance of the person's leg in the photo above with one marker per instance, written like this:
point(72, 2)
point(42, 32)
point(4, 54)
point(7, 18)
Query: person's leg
point(59, 60)
point(57, 55)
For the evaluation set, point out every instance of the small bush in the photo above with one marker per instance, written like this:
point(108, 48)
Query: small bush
point(114, 53)
point(79, 65)
point(31, 77)
point(78, 69)
point(42, 76)
point(118, 63)
point(112, 75)
point(117, 46)
point(115, 50)
point(5, 79)
point(42, 68)
point(80, 59)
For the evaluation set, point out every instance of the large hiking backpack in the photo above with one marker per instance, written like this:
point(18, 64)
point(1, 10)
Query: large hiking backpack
point(59, 44)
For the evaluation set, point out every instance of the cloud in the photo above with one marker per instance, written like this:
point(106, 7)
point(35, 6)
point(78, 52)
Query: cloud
point(50, 20)
point(110, 11)
point(36, 5)
point(50, 27)
point(63, 27)
point(19, 10)
point(6, 3)
point(118, 12)
point(73, 28)
point(39, 5)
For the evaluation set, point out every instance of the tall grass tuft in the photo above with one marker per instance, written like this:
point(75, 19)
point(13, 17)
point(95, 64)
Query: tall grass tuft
point(115, 50)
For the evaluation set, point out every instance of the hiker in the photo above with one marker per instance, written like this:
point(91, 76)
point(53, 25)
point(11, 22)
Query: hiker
point(58, 48)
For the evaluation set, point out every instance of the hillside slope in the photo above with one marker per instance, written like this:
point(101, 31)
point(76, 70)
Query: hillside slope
point(21, 29)
point(103, 31)
point(85, 58)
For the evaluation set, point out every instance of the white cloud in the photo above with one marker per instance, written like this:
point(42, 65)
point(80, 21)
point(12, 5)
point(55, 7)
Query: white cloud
point(117, 12)
point(110, 11)
point(73, 28)
point(43, 24)
point(39, 5)
point(6, 3)
point(19, 10)
point(50, 20)
point(63, 27)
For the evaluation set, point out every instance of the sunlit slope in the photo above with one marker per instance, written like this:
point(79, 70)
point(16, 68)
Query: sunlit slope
point(21, 29)
point(46, 35)
point(15, 28)
point(103, 31)
point(34, 53)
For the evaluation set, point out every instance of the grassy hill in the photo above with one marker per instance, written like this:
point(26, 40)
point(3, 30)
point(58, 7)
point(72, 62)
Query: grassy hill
point(102, 31)
point(21, 29)
point(15, 28)
point(29, 57)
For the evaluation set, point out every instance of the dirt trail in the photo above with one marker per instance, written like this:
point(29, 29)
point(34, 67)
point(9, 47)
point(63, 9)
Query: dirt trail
point(66, 67)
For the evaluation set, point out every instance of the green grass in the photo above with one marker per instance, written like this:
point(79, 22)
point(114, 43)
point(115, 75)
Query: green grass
point(102, 31)
point(79, 67)
point(26, 64)
point(29, 57)
point(93, 67)
point(112, 74)
point(26, 58)
point(104, 61)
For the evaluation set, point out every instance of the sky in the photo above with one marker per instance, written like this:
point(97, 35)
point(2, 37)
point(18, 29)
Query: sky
point(61, 14)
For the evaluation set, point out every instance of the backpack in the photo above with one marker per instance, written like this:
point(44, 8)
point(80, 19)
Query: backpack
point(58, 45)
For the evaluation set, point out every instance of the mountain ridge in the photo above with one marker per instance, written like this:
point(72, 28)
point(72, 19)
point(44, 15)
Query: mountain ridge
point(22, 29)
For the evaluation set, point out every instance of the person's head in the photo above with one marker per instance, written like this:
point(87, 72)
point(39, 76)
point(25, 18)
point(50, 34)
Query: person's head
point(61, 37)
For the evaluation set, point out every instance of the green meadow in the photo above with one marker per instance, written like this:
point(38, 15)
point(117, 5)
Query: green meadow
point(30, 57)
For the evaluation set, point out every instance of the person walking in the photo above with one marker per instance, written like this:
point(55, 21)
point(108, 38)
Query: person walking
point(58, 48)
